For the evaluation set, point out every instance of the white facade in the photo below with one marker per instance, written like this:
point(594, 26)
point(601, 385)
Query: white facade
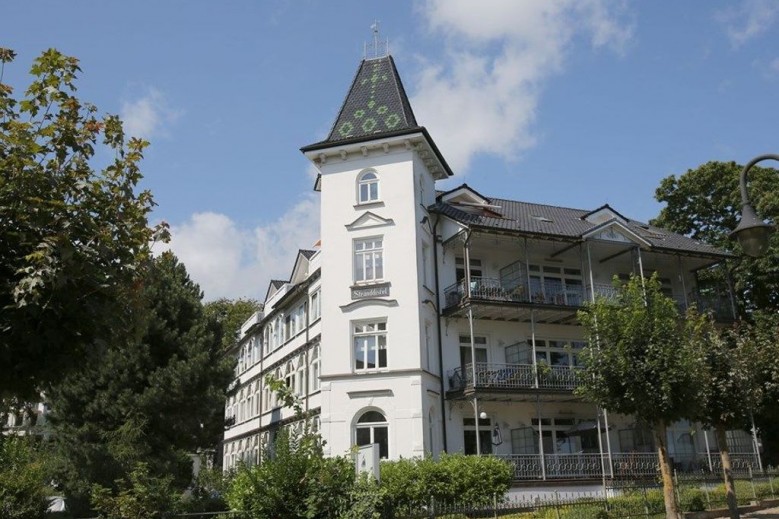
point(415, 284)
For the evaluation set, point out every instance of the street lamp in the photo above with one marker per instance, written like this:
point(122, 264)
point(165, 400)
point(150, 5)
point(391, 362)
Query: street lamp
point(752, 232)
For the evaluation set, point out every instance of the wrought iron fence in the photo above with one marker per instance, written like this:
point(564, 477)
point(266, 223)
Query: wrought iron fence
point(491, 375)
point(620, 498)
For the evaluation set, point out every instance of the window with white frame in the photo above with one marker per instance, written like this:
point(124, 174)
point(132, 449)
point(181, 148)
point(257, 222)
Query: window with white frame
point(314, 372)
point(426, 276)
point(556, 285)
point(368, 260)
point(371, 428)
point(368, 187)
point(559, 352)
point(476, 268)
point(370, 345)
point(316, 305)
point(300, 377)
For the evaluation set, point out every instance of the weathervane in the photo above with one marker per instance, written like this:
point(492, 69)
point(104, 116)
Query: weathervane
point(376, 45)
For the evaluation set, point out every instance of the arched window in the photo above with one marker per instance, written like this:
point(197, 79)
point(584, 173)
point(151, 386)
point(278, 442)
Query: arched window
point(370, 428)
point(367, 187)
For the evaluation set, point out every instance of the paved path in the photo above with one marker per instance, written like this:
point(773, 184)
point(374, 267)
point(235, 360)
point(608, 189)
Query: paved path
point(768, 513)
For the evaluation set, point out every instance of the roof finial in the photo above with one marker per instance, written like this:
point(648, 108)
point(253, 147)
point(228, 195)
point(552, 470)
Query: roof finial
point(376, 45)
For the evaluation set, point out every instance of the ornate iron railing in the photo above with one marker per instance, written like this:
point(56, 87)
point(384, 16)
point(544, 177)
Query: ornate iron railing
point(514, 376)
point(491, 289)
point(633, 464)
point(556, 466)
point(557, 292)
point(621, 465)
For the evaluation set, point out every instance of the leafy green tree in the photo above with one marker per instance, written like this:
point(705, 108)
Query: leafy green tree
point(705, 203)
point(72, 236)
point(644, 360)
point(231, 314)
point(152, 398)
point(732, 390)
point(23, 489)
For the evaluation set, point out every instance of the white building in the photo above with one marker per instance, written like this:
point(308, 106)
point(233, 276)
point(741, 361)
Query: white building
point(418, 283)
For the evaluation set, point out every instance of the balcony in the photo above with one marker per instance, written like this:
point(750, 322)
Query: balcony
point(619, 465)
point(491, 376)
point(556, 300)
point(491, 289)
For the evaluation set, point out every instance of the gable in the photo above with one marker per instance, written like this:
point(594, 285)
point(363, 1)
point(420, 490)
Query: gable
point(604, 214)
point(615, 231)
point(470, 201)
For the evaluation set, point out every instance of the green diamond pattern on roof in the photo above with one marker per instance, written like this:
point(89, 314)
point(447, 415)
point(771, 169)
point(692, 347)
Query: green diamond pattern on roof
point(376, 103)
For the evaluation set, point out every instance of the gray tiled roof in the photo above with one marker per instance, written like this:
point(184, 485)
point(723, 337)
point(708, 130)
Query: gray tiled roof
point(551, 221)
point(376, 104)
point(278, 283)
point(307, 253)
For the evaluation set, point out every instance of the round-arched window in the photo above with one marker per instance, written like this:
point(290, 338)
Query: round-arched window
point(368, 187)
point(370, 428)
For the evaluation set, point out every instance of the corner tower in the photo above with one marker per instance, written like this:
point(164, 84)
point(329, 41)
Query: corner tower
point(380, 366)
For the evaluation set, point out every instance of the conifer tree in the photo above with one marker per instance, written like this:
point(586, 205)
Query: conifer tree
point(153, 398)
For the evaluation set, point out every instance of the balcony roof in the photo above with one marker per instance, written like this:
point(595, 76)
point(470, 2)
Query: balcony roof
point(567, 224)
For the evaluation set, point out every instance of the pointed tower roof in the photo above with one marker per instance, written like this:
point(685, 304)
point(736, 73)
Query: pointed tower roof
point(376, 104)
point(375, 107)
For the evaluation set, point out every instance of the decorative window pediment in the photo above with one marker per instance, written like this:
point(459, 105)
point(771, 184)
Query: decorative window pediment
point(369, 220)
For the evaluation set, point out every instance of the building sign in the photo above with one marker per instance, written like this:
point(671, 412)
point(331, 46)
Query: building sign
point(382, 290)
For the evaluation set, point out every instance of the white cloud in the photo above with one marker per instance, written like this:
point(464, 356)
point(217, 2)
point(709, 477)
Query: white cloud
point(483, 96)
point(148, 115)
point(227, 260)
point(748, 19)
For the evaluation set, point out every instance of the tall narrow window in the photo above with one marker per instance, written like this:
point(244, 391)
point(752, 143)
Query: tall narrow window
point(314, 380)
point(370, 346)
point(316, 305)
point(368, 260)
point(371, 428)
point(368, 187)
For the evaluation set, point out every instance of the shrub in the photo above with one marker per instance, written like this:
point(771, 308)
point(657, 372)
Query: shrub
point(139, 496)
point(476, 480)
point(208, 492)
point(297, 481)
point(23, 492)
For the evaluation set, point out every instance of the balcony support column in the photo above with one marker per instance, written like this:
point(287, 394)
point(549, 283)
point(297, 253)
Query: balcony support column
point(755, 445)
point(528, 296)
point(589, 274)
point(467, 261)
point(473, 374)
point(475, 403)
point(708, 449)
point(540, 438)
point(608, 441)
point(684, 284)
point(641, 268)
point(600, 449)
point(533, 345)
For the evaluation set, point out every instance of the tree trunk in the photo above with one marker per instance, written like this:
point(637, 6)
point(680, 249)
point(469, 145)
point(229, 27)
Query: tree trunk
point(669, 497)
point(727, 473)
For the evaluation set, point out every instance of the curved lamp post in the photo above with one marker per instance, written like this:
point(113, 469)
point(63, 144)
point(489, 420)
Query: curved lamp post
point(752, 232)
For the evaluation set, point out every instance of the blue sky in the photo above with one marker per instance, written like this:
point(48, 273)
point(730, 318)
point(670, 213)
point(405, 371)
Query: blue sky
point(573, 103)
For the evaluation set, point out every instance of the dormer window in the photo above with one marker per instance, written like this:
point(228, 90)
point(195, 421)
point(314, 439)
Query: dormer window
point(368, 187)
